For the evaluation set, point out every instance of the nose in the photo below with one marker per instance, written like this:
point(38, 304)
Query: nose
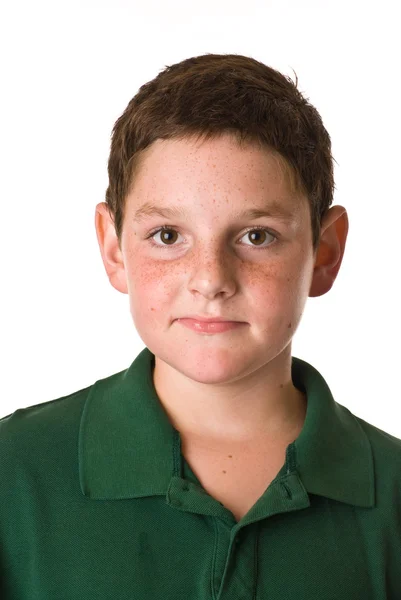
point(213, 274)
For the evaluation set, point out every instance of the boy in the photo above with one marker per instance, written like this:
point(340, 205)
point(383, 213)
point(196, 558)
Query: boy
point(217, 465)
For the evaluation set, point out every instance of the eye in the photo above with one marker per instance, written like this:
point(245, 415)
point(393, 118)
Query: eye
point(258, 231)
point(164, 229)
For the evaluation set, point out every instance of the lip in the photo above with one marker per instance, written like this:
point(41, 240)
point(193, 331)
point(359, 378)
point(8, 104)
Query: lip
point(202, 319)
point(210, 327)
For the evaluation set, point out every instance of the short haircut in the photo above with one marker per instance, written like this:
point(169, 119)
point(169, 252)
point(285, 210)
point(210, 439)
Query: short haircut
point(212, 95)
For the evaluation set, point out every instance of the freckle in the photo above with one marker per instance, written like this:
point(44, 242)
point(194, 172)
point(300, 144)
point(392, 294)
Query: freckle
point(230, 456)
point(289, 325)
point(224, 471)
point(281, 385)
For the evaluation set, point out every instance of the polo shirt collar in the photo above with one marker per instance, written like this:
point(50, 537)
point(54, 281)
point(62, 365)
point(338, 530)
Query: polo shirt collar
point(128, 447)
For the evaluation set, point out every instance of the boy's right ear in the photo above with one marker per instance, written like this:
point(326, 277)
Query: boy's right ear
point(108, 243)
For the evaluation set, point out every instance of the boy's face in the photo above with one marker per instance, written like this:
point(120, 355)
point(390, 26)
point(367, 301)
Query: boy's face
point(207, 262)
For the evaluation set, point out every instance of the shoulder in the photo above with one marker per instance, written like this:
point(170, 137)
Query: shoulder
point(382, 441)
point(386, 455)
point(30, 436)
point(33, 436)
point(37, 418)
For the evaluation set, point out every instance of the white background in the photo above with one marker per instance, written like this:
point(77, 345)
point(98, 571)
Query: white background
point(68, 70)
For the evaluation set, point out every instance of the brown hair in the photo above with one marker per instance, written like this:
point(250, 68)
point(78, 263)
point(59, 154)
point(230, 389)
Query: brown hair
point(205, 97)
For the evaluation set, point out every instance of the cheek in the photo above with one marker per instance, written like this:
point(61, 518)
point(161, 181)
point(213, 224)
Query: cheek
point(277, 295)
point(150, 289)
point(273, 283)
point(274, 289)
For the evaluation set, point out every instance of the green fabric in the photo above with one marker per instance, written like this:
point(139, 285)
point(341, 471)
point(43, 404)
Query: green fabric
point(97, 502)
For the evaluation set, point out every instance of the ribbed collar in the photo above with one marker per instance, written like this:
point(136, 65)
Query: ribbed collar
point(128, 447)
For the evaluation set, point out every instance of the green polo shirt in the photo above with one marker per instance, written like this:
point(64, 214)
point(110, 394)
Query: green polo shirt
point(97, 502)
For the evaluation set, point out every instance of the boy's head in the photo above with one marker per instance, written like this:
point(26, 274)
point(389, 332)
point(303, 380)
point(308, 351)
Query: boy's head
point(210, 138)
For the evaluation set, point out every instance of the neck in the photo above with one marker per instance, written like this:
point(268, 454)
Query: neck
point(259, 407)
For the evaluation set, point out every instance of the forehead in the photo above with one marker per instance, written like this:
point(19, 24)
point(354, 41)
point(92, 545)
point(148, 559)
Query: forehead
point(223, 154)
point(215, 169)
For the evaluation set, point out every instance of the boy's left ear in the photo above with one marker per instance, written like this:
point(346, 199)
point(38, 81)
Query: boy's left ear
point(329, 255)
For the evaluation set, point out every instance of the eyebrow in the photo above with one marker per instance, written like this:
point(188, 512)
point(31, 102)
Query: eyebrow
point(274, 209)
